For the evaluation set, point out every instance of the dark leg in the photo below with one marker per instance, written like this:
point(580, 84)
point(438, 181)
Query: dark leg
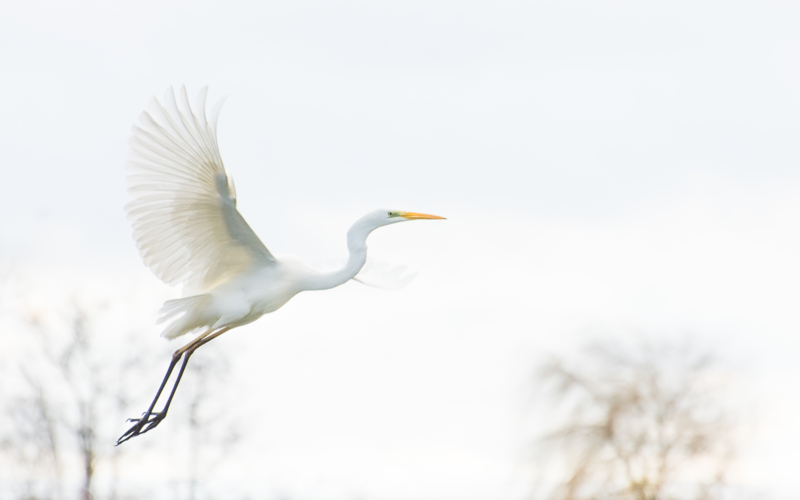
point(163, 413)
point(189, 350)
point(136, 429)
point(146, 423)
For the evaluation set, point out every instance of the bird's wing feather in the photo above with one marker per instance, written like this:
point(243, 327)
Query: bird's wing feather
point(184, 216)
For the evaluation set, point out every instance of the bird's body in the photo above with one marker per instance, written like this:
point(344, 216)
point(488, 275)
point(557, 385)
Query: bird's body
point(189, 231)
point(259, 290)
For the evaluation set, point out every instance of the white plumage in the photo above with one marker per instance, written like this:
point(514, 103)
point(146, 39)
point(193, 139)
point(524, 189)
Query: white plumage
point(188, 231)
point(184, 215)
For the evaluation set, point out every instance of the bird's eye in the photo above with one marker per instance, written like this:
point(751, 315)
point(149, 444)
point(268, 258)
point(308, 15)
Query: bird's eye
point(390, 214)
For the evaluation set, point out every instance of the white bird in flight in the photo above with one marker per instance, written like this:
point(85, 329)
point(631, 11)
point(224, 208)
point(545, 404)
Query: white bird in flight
point(188, 231)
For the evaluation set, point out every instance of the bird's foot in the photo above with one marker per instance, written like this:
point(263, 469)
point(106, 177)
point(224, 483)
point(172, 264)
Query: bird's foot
point(148, 421)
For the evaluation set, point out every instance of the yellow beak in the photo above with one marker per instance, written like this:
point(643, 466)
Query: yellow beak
point(415, 215)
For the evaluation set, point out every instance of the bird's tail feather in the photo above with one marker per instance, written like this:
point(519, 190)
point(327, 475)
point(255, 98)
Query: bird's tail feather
point(184, 314)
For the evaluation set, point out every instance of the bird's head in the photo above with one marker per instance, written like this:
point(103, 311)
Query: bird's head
point(384, 217)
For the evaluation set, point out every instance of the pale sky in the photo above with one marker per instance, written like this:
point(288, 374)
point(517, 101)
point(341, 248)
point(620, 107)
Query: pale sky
point(606, 168)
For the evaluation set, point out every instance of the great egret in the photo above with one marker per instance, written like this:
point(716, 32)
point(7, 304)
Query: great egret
point(188, 232)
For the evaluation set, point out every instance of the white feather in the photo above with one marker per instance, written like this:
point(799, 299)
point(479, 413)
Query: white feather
point(186, 225)
point(384, 275)
point(188, 231)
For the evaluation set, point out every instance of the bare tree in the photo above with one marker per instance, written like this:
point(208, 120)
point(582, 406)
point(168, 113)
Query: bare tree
point(641, 422)
point(68, 388)
point(32, 449)
point(81, 377)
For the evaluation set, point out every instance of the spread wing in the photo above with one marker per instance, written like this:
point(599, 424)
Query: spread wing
point(184, 216)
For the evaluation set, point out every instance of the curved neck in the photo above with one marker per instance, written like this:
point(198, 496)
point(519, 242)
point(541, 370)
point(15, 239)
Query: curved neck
point(357, 245)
